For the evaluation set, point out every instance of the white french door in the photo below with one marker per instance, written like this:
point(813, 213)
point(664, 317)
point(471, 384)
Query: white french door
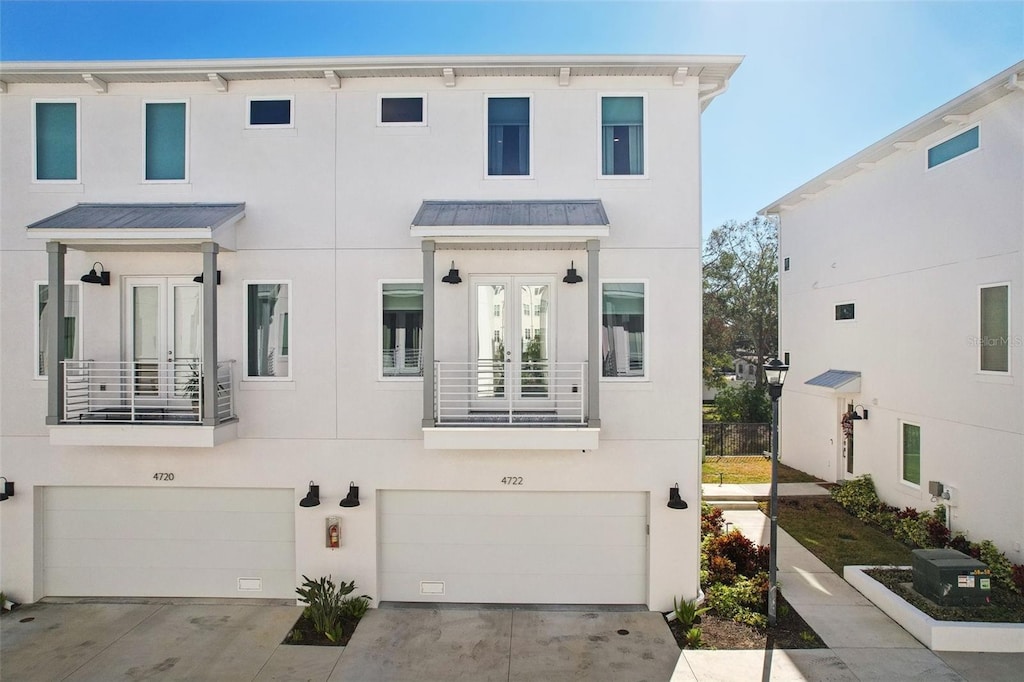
point(164, 338)
point(514, 341)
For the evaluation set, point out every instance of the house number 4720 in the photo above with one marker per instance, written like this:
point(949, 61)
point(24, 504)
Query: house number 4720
point(163, 477)
point(512, 480)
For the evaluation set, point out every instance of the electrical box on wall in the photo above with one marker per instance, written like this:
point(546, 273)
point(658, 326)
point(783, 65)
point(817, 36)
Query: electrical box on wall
point(333, 532)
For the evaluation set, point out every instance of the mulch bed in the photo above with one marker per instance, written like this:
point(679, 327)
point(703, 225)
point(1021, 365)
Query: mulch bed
point(305, 634)
point(790, 632)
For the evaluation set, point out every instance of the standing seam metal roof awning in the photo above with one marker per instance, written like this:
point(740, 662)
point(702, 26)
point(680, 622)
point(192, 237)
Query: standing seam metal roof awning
point(839, 380)
point(510, 220)
point(108, 226)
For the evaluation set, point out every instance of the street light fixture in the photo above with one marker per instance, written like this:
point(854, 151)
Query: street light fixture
point(775, 373)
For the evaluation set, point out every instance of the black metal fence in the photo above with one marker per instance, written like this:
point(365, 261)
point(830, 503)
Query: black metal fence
point(723, 439)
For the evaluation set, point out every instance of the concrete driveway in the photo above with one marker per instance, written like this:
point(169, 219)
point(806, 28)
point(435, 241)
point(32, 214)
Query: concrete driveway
point(228, 641)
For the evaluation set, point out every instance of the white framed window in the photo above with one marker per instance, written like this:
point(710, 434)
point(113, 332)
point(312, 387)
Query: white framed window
point(994, 328)
point(401, 330)
point(955, 146)
point(405, 109)
point(267, 341)
point(270, 112)
point(623, 141)
point(56, 141)
point(165, 132)
point(509, 138)
point(910, 453)
point(624, 352)
point(72, 344)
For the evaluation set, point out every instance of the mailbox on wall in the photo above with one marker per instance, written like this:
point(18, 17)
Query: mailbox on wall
point(333, 532)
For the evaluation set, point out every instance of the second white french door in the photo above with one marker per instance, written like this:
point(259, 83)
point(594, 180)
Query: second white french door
point(163, 338)
point(513, 341)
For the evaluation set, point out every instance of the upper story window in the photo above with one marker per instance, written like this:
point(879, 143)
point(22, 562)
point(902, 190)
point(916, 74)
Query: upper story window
point(56, 151)
point(785, 264)
point(624, 347)
point(910, 449)
point(845, 311)
point(508, 135)
point(270, 112)
point(71, 344)
point(267, 333)
point(399, 111)
point(402, 329)
point(622, 136)
point(166, 140)
point(994, 336)
point(955, 146)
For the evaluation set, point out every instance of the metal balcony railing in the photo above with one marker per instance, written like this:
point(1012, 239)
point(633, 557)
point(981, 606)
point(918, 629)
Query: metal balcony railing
point(515, 394)
point(143, 392)
point(400, 362)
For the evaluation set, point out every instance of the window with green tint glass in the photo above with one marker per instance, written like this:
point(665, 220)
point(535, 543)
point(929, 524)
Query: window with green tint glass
point(622, 135)
point(267, 341)
point(56, 140)
point(623, 349)
point(508, 136)
point(402, 331)
point(953, 147)
point(166, 140)
point(994, 339)
point(911, 448)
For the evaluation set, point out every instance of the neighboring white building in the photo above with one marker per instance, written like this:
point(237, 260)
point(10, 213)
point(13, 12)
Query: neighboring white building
point(902, 298)
point(470, 286)
point(745, 369)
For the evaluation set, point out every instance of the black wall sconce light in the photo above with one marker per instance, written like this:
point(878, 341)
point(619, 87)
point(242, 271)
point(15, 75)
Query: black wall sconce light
point(312, 498)
point(571, 276)
point(199, 278)
point(674, 501)
point(102, 278)
point(352, 499)
point(7, 489)
point(453, 276)
point(857, 416)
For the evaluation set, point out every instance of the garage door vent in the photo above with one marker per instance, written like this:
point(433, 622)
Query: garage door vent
point(432, 587)
point(250, 584)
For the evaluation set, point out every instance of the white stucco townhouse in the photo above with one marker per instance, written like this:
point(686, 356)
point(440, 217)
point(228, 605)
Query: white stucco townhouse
point(901, 309)
point(443, 313)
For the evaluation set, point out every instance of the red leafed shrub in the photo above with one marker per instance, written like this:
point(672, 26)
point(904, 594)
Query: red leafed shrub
point(1017, 576)
point(907, 513)
point(749, 559)
point(938, 533)
point(711, 520)
point(721, 570)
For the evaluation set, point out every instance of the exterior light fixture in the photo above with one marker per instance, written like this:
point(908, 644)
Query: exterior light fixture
point(674, 501)
point(7, 489)
point(103, 278)
point(452, 277)
point(571, 276)
point(352, 499)
point(775, 373)
point(199, 278)
point(312, 498)
point(857, 416)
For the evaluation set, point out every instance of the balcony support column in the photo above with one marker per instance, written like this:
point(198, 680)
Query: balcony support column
point(209, 360)
point(55, 252)
point(593, 333)
point(429, 248)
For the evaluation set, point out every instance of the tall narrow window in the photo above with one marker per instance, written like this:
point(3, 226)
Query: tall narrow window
point(56, 133)
point(402, 332)
point(267, 310)
point(72, 313)
point(623, 347)
point(166, 140)
point(508, 136)
point(622, 135)
point(911, 449)
point(994, 340)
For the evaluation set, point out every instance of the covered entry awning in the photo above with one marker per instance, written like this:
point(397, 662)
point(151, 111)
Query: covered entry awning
point(116, 226)
point(839, 380)
point(576, 219)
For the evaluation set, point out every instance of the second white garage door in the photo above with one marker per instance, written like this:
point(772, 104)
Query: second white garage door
point(513, 547)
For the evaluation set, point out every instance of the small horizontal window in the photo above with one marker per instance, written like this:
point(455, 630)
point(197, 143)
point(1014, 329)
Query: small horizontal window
point(270, 112)
point(953, 147)
point(845, 311)
point(401, 110)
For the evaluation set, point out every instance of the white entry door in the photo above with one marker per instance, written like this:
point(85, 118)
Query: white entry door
point(164, 338)
point(514, 341)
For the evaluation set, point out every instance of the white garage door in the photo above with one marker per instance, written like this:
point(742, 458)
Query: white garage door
point(513, 547)
point(168, 542)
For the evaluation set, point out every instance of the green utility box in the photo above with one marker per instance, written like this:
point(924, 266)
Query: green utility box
point(951, 578)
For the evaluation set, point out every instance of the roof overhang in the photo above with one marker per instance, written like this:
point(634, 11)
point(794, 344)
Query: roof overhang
point(573, 220)
point(141, 227)
point(839, 381)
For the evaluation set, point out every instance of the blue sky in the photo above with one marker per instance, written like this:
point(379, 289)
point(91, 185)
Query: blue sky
point(820, 81)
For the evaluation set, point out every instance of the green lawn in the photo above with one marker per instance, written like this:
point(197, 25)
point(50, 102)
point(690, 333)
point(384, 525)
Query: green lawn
point(750, 470)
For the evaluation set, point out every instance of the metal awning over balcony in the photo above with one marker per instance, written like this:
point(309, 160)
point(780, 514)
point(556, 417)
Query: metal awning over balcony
point(537, 220)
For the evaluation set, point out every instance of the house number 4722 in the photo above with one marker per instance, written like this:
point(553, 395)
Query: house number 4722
point(512, 480)
point(163, 476)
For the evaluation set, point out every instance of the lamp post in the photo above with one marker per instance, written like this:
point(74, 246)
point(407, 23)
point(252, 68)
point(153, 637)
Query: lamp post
point(775, 374)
